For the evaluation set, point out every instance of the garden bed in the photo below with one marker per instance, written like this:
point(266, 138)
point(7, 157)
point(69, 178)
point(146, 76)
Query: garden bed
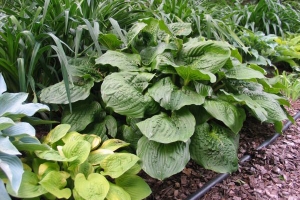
point(273, 173)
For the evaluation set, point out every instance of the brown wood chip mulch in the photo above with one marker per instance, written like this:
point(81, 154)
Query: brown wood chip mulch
point(273, 172)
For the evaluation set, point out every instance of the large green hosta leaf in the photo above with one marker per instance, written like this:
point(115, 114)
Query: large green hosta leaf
point(161, 161)
point(207, 56)
point(123, 92)
point(242, 72)
point(83, 113)
point(57, 94)
point(123, 61)
point(171, 97)
point(215, 147)
point(231, 115)
point(162, 128)
point(190, 73)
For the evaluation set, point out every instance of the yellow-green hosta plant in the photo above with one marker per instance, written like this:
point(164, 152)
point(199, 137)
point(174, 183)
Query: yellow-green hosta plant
point(15, 136)
point(80, 166)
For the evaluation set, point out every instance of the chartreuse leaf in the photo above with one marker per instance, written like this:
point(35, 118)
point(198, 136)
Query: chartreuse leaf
point(116, 192)
point(47, 167)
point(209, 56)
point(78, 148)
point(83, 114)
point(123, 92)
point(5, 122)
point(95, 157)
point(162, 128)
point(161, 161)
point(85, 168)
point(215, 148)
point(29, 188)
point(123, 61)
point(54, 156)
point(113, 144)
point(171, 97)
point(242, 72)
point(231, 115)
point(57, 133)
point(12, 166)
point(54, 182)
point(134, 185)
point(95, 187)
point(115, 165)
point(57, 94)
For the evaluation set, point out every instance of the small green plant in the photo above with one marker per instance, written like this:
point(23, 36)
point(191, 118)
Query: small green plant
point(15, 136)
point(292, 85)
point(80, 166)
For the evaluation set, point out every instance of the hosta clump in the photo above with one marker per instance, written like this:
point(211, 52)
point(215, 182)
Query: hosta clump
point(81, 166)
point(15, 136)
point(185, 97)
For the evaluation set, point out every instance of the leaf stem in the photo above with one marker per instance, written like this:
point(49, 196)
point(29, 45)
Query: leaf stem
point(219, 87)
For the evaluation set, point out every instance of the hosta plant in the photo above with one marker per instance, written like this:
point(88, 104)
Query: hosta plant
point(185, 97)
point(80, 166)
point(15, 136)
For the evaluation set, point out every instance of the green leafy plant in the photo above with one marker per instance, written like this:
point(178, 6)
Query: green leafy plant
point(80, 166)
point(186, 98)
point(15, 136)
point(292, 85)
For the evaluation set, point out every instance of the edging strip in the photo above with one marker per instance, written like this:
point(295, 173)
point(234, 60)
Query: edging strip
point(207, 186)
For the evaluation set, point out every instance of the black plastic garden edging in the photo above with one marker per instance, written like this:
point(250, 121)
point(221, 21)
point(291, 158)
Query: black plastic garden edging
point(207, 186)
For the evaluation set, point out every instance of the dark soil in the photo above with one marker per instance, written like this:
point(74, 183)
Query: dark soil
point(272, 173)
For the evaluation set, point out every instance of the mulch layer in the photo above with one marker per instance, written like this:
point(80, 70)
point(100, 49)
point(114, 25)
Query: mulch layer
point(272, 173)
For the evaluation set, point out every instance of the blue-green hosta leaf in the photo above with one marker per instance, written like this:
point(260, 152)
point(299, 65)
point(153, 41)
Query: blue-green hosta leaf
point(117, 164)
point(190, 73)
point(82, 67)
point(3, 87)
point(149, 54)
point(161, 161)
point(54, 182)
point(7, 147)
point(242, 72)
point(111, 125)
point(232, 116)
point(130, 135)
point(3, 193)
point(95, 187)
point(29, 188)
point(180, 29)
point(83, 113)
point(12, 166)
point(134, 31)
point(78, 148)
point(134, 185)
point(162, 128)
point(123, 92)
point(123, 61)
point(10, 102)
point(215, 148)
point(171, 97)
point(209, 56)
point(57, 133)
point(57, 94)
point(116, 192)
point(19, 128)
point(30, 143)
point(5, 122)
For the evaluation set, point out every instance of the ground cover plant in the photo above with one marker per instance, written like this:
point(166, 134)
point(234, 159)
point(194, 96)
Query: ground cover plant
point(178, 82)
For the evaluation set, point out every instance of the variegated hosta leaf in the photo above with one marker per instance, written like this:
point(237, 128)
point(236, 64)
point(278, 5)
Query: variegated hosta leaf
point(83, 113)
point(180, 28)
point(162, 128)
point(191, 73)
point(123, 61)
point(57, 94)
point(209, 56)
point(161, 161)
point(215, 148)
point(170, 97)
point(231, 115)
point(242, 72)
point(123, 92)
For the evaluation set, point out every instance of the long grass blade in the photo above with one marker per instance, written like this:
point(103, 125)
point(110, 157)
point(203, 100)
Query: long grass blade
point(22, 74)
point(94, 35)
point(117, 28)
